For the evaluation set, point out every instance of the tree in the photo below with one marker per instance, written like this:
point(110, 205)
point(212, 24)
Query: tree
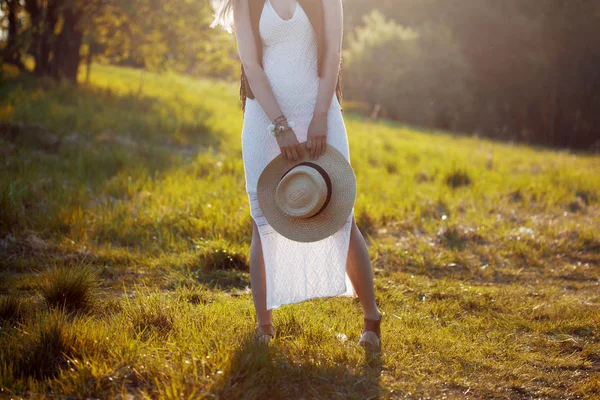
point(414, 75)
point(532, 65)
point(150, 34)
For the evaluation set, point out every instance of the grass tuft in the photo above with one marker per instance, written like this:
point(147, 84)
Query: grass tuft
point(438, 210)
point(47, 351)
point(586, 196)
point(457, 237)
point(577, 205)
point(149, 314)
point(366, 223)
point(216, 256)
point(71, 287)
point(12, 308)
point(195, 295)
point(516, 196)
point(457, 178)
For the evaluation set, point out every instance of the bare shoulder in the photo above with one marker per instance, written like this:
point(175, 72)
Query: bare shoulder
point(241, 16)
point(247, 49)
point(332, 12)
point(240, 8)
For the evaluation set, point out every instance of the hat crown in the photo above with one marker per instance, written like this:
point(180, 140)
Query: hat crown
point(334, 167)
point(302, 191)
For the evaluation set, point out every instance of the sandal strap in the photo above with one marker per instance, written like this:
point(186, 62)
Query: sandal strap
point(265, 331)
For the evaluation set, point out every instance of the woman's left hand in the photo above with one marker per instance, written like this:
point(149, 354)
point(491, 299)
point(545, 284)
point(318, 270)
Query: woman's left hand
point(316, 138)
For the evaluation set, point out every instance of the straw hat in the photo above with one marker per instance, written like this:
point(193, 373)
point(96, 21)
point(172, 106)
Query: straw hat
point(307, 200)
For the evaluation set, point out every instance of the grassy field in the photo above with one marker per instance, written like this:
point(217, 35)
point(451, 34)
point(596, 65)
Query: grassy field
point(124, 247)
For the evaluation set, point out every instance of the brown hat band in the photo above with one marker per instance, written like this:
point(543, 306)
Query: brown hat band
point(325, 177)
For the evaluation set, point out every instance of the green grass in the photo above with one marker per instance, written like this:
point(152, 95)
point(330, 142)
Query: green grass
point(70, 287)
point(486, 256)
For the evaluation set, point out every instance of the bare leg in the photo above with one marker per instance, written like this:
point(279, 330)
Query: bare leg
point(258, 281)
point(358, 267)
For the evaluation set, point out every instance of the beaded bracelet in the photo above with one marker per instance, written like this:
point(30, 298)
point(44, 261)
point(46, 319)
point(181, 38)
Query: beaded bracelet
point(277, 128)
point(277, 121)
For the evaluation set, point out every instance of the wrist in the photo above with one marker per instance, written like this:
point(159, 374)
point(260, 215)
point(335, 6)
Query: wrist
point(280, 126)
point(320, 113)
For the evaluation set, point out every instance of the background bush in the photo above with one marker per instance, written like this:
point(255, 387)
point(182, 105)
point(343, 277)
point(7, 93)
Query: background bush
point(417, 76)
point(513, 70)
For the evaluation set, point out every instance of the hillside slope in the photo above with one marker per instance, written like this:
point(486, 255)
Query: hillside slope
point(123, 200)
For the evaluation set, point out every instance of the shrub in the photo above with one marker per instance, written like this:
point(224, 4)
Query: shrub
point(417, 76)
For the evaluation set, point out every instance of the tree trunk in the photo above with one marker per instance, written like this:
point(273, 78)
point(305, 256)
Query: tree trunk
point(48, 38)
point(35, 16)
point(88, 64)
point(43, 24)
point(65, 63)
point(12, 51)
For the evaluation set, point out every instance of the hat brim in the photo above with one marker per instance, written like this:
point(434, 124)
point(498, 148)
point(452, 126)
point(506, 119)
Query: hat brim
point(331, 219)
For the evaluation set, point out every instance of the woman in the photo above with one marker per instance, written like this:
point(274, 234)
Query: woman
point(290, 52)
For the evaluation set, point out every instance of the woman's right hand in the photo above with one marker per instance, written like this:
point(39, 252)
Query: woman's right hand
point(289, 145)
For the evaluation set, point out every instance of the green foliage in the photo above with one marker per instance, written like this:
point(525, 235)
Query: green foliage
point(526, 71)
point(417, 76)
point(158, 36)
point(161, 36)
point(511, 70)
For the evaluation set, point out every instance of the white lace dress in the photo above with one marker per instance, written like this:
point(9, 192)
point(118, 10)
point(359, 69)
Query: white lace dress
point(295, 271)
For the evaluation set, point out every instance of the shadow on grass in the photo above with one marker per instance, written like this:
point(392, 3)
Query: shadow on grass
point(259, 371)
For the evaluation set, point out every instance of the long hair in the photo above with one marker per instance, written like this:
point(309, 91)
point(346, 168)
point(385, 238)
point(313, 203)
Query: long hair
point(223, 14)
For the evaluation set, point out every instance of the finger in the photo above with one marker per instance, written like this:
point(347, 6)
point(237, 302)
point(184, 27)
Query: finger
point(318, 152)
point(300, 150)
point(323, 145)
point(294, 153)
point(289, 153)
point(284, 152)
point(313, 149)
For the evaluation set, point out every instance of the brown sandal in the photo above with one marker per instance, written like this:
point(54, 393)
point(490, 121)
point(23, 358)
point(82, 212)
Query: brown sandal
point(371, 334)
point(264, 335)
